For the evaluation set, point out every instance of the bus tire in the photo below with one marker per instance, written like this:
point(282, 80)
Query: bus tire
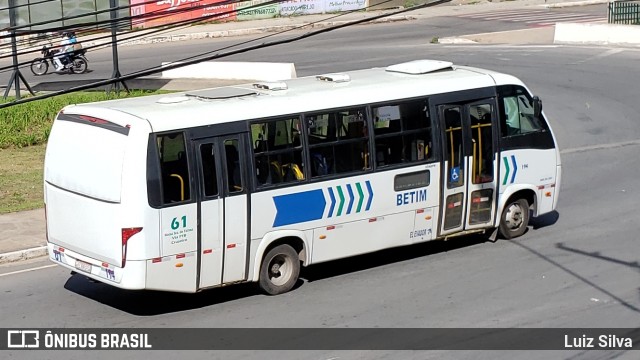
point(279, 270)
point(514, 219)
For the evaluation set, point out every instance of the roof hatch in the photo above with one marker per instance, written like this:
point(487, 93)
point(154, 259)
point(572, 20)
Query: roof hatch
point(334, 78)
point(271, 86)
point(221, 93)
point(419, 67)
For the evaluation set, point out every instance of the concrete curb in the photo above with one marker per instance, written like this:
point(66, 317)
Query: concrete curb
point(597, 34)
point(240, 32)
point(21, 255)
point(575, 3)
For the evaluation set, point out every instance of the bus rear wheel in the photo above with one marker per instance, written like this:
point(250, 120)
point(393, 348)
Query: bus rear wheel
point(279, 270)
point(514, 219)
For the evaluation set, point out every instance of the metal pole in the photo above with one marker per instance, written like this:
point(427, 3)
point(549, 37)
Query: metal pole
point(114, 50)
point(16, 75)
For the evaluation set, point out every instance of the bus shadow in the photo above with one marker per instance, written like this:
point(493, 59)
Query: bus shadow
point(545, 220)
point(151, 303)
point(384, 257)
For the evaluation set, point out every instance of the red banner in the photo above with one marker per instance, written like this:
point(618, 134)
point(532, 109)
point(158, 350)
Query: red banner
point(171, 11)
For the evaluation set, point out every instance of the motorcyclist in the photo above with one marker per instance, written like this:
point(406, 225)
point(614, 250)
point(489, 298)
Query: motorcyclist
point(66, 48)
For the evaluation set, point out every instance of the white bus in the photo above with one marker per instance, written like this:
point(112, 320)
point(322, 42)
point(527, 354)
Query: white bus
point(201, 189)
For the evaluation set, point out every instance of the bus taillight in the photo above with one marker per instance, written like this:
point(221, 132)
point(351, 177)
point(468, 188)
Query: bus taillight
point(127, 233)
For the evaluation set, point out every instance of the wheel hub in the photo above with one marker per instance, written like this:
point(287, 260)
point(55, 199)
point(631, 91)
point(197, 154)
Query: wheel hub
point(280, 270)
point(275, 269)
point(514, 216)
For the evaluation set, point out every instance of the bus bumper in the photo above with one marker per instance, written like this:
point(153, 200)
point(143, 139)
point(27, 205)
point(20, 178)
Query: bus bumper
point(131, 277)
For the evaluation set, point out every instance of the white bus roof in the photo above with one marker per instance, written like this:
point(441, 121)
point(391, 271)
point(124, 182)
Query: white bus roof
point(307, 94)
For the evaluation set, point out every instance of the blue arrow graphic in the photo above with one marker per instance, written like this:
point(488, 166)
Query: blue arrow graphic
point(350, 198)
point(515, 168)
point(333, 202)
point(370, 196)
point(299, 207)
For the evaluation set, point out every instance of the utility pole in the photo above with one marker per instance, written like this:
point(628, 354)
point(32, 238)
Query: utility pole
point(114, 50)
point(16, 76)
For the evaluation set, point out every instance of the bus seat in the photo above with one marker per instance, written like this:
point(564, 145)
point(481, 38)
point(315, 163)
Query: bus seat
point(275, 171)
point(380, 158)
point(260, 146)
point(320, 166)
point(262, 171)
point(292, 172)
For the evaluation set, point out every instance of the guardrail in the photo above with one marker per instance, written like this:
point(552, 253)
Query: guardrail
point(624, 12)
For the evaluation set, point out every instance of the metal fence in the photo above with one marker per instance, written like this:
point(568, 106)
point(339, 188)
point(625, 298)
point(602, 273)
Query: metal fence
point(624, 12)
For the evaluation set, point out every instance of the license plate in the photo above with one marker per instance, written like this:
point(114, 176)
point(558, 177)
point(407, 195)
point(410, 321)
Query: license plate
point(84, 266)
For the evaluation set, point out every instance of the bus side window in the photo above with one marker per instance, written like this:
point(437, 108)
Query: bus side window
point(233, 166)
point(338, 142)
point(174, 167)
point(517, 113)
point(402, 133)
point(209, 169)
point(277, 151)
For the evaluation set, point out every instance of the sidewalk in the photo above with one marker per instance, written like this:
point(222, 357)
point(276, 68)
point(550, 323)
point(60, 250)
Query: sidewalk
point(23, 233)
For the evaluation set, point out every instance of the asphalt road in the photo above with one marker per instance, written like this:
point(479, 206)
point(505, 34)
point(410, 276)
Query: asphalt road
point(409, 37)
point(577, 268)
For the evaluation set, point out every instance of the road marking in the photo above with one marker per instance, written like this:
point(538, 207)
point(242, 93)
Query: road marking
point(600, 147)
point(599, 56)
point(27, 270)
point(536, 17)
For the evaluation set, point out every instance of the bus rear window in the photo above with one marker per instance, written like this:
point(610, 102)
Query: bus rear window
point(174, 167)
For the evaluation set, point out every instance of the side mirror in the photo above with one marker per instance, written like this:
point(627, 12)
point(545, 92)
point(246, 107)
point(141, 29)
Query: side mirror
point(537, 107)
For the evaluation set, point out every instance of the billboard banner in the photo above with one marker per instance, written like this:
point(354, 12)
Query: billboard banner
point(302, 7)
point(173, 11)
point(259, 12)
point(164, 12)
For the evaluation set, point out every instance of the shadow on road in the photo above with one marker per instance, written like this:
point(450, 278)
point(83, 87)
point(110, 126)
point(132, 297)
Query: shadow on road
point(61, 82)
point(64, 83)
point(150, 303)
point(580, 277)
point(385, 257)
point(545, 220)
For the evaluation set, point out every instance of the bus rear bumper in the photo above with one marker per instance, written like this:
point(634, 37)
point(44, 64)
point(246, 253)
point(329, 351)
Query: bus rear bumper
point(131, 277)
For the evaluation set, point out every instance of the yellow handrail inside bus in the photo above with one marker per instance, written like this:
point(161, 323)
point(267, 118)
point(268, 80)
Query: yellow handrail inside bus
point(479, 126)
point(181, 185)
point(450, 131)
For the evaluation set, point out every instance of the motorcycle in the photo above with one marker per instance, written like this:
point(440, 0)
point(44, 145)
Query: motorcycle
point(79, 63)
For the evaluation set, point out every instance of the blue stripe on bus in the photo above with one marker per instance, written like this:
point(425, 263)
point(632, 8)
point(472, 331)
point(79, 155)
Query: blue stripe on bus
point(350, 198)
point(333, 202)
point(370, 195)
point(299, 207)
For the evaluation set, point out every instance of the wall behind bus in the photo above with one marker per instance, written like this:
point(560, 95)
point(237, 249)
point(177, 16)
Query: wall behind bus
point(208, 10)
point(39, 11)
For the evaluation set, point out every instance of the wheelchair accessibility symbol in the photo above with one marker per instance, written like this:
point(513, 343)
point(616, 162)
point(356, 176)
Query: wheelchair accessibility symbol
point(455, 174)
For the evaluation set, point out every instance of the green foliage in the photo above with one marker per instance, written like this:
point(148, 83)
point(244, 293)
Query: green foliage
point(30, 123)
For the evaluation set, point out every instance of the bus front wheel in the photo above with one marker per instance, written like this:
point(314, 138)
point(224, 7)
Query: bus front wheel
point(514, 219)
point(279, 270)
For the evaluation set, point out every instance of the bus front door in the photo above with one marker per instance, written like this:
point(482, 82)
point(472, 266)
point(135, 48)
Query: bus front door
point(469, 166)
point(222, 210)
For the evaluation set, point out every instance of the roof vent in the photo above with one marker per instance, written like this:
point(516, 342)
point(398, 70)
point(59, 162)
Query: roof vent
point(334, 78)
point(222, 93)
point(271, 86)
point(418, 67)
point(172, 99)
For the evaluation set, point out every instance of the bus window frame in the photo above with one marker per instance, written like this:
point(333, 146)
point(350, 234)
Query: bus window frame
point(154, 179)
point(540, 140)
